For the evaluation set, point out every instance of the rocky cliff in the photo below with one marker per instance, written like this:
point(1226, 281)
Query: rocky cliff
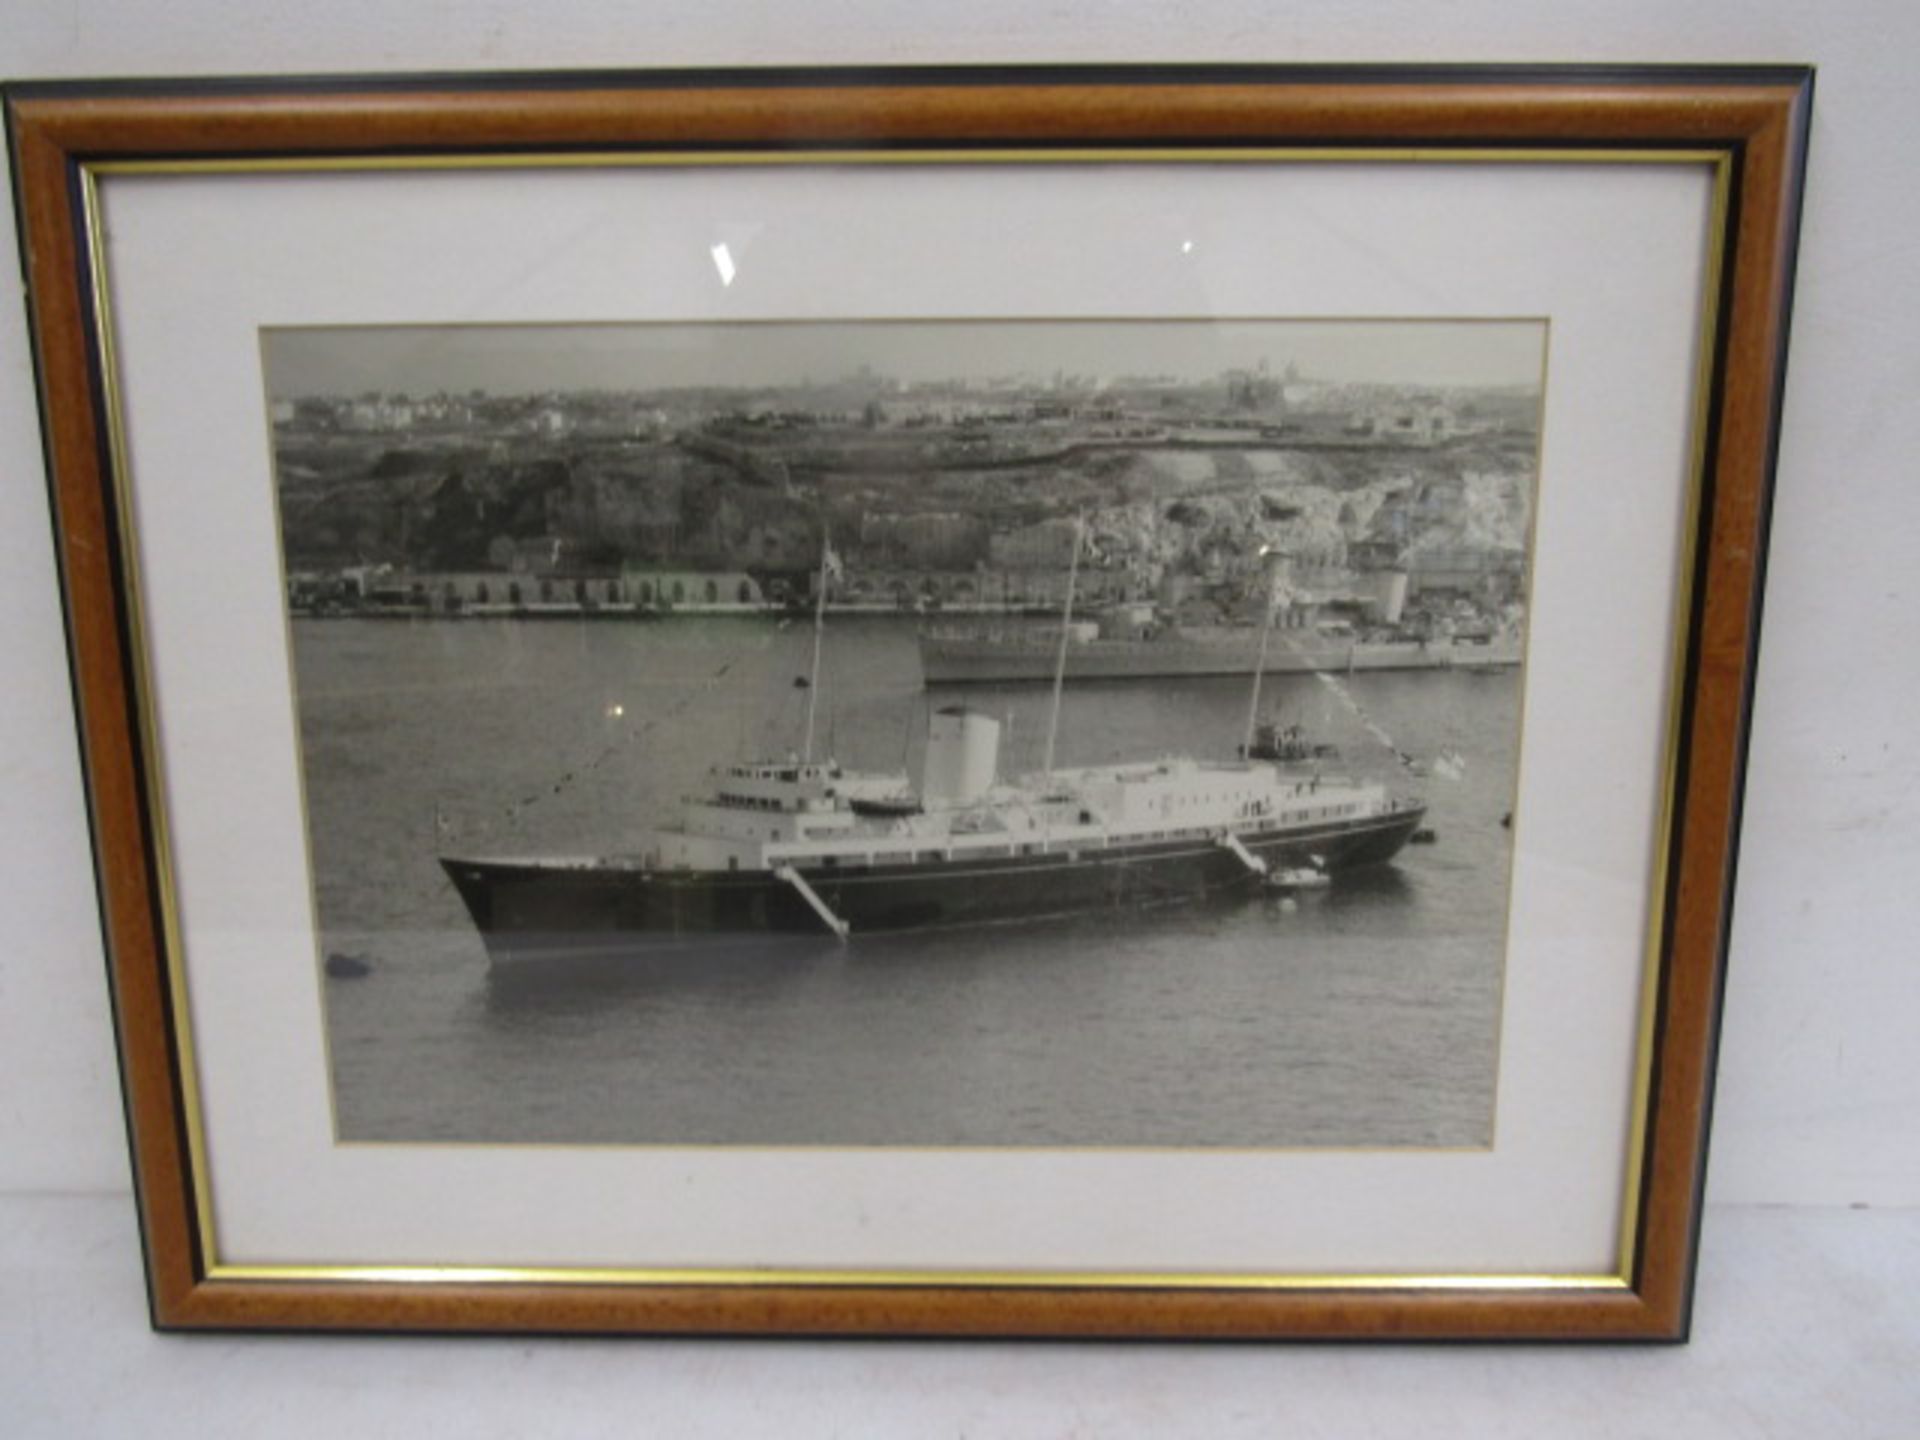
point(1158, 508)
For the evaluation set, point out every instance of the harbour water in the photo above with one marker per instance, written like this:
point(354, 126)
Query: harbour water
point(1363, 1015)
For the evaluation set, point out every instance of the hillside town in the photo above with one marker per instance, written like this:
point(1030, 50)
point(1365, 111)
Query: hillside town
point(1394, 508)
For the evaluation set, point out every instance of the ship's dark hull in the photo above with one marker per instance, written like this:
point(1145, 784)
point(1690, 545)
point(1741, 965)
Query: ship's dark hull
point(534, 911)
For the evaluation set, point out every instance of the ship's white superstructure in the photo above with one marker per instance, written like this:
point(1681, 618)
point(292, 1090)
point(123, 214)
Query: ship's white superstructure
point(764, 815)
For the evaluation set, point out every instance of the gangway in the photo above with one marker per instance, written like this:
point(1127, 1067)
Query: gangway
point(820, 907)
point(1227, 840)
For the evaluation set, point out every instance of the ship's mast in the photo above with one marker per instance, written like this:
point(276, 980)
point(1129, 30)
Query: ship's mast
point(1260, 665)
point(819, 631)
point(1060, 659)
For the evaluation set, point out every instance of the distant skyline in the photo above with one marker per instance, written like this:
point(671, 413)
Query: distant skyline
point(521, 359)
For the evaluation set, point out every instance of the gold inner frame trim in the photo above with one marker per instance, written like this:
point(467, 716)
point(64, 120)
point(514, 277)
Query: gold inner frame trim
point(93, 241)
point(889, 1279)
point(1041, 155)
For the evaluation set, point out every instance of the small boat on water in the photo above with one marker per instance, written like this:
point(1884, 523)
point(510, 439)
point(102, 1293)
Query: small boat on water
point(1299, 877)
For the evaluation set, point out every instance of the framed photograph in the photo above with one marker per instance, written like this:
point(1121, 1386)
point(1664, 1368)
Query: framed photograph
point(1016, 702)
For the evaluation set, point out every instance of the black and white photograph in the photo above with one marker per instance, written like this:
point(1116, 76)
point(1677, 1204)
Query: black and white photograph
point(919, 733)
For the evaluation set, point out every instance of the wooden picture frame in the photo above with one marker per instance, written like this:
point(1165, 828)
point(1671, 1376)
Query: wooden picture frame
point(1745, 129)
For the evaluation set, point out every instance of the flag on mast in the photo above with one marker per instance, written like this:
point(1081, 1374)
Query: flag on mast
point(829, 571)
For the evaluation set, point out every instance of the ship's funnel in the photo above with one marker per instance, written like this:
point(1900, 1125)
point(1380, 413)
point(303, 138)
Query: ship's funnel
point(1391, 588)
point(963, 751)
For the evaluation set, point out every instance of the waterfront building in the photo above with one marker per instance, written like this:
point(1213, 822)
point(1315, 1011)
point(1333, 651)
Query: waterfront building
point(670, 588)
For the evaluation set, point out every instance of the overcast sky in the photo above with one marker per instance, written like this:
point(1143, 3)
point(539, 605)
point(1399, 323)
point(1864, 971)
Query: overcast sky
point(514, 359)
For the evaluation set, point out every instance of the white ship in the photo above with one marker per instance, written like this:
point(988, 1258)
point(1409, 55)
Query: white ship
point(802, 845)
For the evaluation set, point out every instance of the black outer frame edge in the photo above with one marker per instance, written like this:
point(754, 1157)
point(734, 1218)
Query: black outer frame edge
point(1793, 198)
point(888, 76)
point(1800, 77)
point(82, 758)
point(123, 629)
point(1794, 187)
point(878, 1338)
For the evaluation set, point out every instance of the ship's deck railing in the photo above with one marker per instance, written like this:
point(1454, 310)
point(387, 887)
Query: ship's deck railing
point(920, 849)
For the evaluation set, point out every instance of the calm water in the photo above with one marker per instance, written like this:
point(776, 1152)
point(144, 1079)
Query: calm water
point(1365, 1015)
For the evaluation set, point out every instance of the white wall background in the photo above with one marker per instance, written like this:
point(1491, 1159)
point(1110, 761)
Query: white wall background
point(1819, 1100)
